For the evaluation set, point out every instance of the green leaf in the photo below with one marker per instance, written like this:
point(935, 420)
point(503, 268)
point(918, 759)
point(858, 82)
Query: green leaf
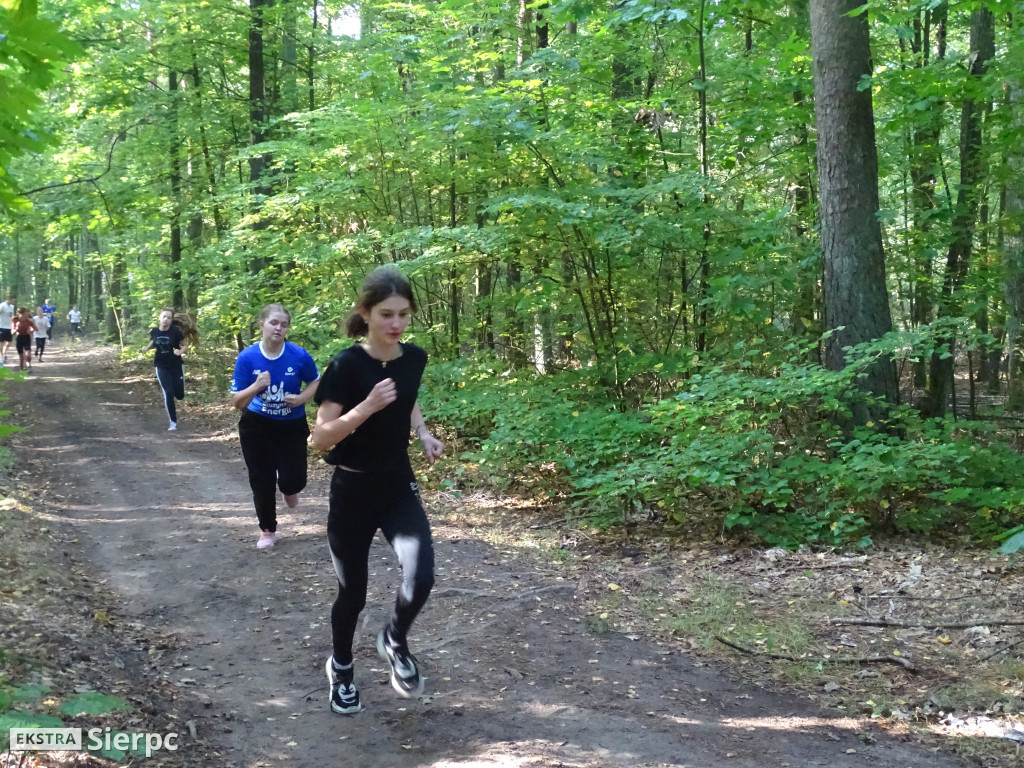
point(29, 692)
point(93, 703)
point(1013, 544)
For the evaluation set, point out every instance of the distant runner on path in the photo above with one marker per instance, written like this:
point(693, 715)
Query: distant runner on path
point(75, 318)
point(23, 328)
point(51, 314)
point(273, 381)
point(170, 339)
point(7, 313)
point(42, 329)
point(368, 403)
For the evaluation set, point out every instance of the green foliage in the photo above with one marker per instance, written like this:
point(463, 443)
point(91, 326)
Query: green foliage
point(32, 52)
point(93, 703)
point(22, 718)
point(29, 692)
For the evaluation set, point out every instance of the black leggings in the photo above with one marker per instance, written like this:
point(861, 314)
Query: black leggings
point(172, 384)
point(275, 455)
point(360, 503)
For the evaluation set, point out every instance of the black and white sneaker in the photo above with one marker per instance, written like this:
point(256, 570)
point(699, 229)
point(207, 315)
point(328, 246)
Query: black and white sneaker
point(405, 674)
point(344, 694)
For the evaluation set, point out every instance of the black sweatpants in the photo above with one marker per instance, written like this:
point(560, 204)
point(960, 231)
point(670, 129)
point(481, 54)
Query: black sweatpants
point(172, 384)
point(360, 504)
point(275, 455)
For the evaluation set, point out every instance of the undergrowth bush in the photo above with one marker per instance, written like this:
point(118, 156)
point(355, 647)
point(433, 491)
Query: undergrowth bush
point(762, 447)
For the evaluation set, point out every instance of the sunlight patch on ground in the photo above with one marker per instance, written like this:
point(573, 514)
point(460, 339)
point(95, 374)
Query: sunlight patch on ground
point(773, 723)
point(501, 762)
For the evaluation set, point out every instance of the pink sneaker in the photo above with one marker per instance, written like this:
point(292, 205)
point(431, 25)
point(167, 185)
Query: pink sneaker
point(267, 540)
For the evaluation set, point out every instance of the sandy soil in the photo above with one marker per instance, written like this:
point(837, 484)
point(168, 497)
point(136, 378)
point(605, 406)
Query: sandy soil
point(162, 523)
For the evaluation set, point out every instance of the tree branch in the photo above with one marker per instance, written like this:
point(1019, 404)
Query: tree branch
point(933, 624)
point(897, 660)
point(123, 135)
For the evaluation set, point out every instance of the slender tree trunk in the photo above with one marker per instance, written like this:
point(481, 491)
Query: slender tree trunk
point(259, 162)
point(925, 162)
point(454, 292)
point(289, 57)
point(115, 304)
point(204, 143)
point(940, 380)
point(174, 160)
point(701, 305)
point(856, 299)
point(75, 246)
point(514, 336)
point(94, 312)
point(311, 58)
point(483, 305)
point(807, 304)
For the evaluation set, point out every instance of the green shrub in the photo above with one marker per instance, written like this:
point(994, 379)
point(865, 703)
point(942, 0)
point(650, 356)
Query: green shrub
point(764, 448)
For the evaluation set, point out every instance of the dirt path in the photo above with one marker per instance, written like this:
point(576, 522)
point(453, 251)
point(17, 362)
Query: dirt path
point(515, 678)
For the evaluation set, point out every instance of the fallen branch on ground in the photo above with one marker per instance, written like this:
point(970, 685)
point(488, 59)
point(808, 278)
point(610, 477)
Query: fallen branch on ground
point(854, 562)
point(1004, 649)
point(897, 660)
point(933, 624)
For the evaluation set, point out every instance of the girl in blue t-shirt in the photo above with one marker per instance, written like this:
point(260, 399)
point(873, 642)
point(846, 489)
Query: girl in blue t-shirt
point(273, 381)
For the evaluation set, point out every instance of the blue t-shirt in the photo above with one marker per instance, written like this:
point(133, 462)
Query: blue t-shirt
point(289, 373)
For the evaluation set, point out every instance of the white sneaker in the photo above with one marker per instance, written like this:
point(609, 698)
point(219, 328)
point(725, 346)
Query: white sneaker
point(174, 426)
point(267, 540)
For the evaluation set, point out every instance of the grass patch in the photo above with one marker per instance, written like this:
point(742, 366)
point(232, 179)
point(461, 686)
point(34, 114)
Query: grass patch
point(718, 608)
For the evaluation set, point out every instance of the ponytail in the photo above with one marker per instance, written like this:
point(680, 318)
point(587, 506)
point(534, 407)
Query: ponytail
point(184, 323)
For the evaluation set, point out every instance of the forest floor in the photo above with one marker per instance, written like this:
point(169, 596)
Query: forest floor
point(130, 569)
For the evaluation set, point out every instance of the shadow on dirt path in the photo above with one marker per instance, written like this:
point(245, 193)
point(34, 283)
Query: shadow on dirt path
point(164, 520)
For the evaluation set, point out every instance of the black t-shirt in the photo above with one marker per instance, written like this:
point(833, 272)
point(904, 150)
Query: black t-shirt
point(381, 443)
point(165, 342)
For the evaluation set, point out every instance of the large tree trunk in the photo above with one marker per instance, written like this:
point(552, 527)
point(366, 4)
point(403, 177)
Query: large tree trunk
point(855, 295)
point(940, 380)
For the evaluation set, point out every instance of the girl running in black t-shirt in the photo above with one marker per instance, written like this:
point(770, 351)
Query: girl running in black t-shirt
point(367, 398)
point(170, 339)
